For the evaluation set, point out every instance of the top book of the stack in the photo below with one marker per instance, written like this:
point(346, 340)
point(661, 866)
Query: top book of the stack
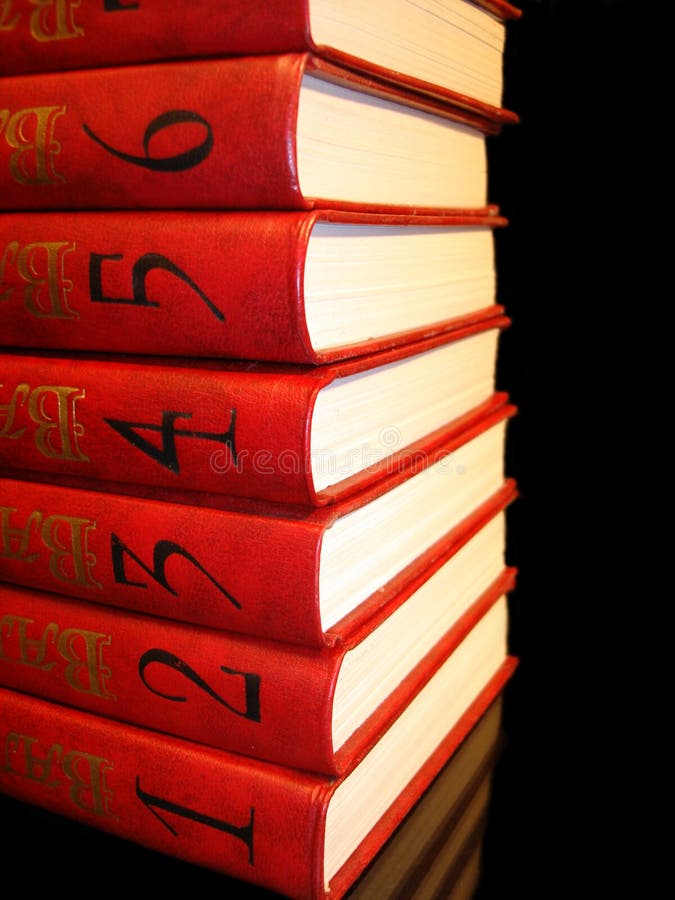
point(450, 49)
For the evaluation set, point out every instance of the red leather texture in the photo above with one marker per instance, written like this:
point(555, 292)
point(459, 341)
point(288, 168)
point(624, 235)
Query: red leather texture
point(203, 134)
point(245, 299)
point(252, 572)
point(149, 31)
point(251, 696)
point(226, 428)
point(172, 795)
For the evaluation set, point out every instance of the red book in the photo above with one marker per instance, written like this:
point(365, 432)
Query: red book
point(285, 131)
point(305, 435)
point(300, 834)
point(302, 287)
point(309, 709)
point(444, 827)
point(451, 49)
point(211, 560)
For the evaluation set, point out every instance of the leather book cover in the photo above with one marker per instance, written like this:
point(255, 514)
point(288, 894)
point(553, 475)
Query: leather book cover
point(264, 699)
point(226, 427)
point(199, 284)
point(207, 134)
point(252, 820)
point(64, 34)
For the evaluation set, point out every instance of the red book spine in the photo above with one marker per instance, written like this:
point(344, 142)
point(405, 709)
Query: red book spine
point(247, 695)
point(240, 429)
point(184, 561)
point(251, 696)
point(74, 35)
point(118, 32)
point(191, 562)
point(252, 820)
point(204, 134)
point(206, 284)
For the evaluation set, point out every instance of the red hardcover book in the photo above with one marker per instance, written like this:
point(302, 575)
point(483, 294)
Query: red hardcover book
point(303, 835)
point(450, 49)
point(285, 131)
point(305, 435)
point(308, 709)
point(302, 287)
point(450, 815)
point(296, 574)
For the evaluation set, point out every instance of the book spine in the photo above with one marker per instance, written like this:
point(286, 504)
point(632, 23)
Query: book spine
point(248, 573)
point(177, 283)
point(241, 429)
point(197, 564)
point(250, 696)
point(141, 422)
point(201, 134)
point(69, 34)
point(232, 692)
point(249, 820)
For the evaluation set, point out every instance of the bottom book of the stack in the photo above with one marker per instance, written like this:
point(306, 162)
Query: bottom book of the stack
point(434, 854)
point(301, 834)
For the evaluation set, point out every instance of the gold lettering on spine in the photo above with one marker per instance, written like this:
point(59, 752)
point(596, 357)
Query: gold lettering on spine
point(7, 23)
point(8, 411)
point(85, 672)
point(87, 776)
point(66, 537)
point(21, 758)
point(31, 651)
point(30, 133)
point(52, 410)
point(80, 649)
point(63, 425)
point(42, 266)
point(57, 27)
point(84, 774)
point(7, 258)
point(15, 542)
point(70, 560)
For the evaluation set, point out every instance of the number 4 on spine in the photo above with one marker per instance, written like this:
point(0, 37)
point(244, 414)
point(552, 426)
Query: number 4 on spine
point(167, 454)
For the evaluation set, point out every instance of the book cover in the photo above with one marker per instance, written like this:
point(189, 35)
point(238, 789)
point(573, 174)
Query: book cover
point(426, 47)
point(308, 709)
point(286, 131)
point(304, 435)
point(454, 803)
point(283, 829)
point(301, 287)
point(287, 573)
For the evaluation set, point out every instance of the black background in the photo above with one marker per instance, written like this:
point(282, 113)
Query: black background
point(563, 178)
point(562, 265)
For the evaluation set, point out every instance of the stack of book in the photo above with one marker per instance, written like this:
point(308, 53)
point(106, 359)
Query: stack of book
point(252, 504)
